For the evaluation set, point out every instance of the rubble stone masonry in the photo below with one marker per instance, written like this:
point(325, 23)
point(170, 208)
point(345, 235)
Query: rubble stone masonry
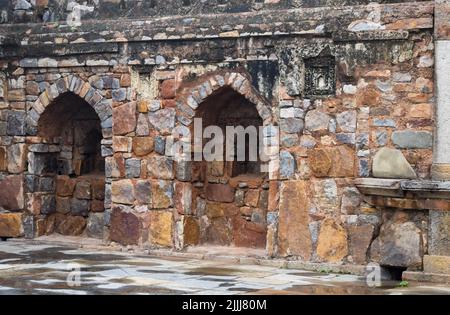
point(359, 91)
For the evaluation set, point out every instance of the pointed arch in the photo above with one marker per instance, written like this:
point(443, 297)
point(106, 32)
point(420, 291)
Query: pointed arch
point(228, 99)
point(77, 86)
point(212, 83)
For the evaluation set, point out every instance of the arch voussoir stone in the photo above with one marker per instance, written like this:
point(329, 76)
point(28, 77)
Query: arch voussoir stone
point(61, 85)
point(43, 98)
point(74, 83)
point(77, 86)
point(38, 107)
point(235, 81)
point(52, 92)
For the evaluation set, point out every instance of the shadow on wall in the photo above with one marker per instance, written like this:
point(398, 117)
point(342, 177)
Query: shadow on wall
point(68, 159)
point(232, 192)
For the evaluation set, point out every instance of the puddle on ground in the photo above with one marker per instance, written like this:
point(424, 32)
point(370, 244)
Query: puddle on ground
point(212, 271)
point(57, 253)
point(139, 263)
point(342, 289)
point(131, 290)
point(308, 274)
point(43, 271)
point(226, 285)
point(162, 272)
point(4, 255)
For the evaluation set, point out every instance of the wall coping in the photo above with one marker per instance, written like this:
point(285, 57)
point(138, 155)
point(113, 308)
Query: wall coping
point(339, 23)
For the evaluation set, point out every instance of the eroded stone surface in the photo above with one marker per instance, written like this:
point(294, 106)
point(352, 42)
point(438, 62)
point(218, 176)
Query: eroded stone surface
point(332, 162)
point(336, 102)
point(360, 238)
point(160, 167)
point(11, 225)
point(11, 193)
point(95, 225)
point(142, 146)
point(123, 191)
point(71, 226)
point(191, 231)
point(219, 192)
point(400, 243)
point(439, 239)
point(412, 139)
point(332, 243)
point(390, 163)
point(125, 227)
point(294, 235)
point(16, 158)
point(317, 121)
point(127, 121)
point(160, 230)
point(162, 194)
point(248, 234)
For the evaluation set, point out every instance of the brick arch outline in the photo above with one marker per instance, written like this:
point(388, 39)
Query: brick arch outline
point(194, 94)
point(205, 86)
point(77, 86)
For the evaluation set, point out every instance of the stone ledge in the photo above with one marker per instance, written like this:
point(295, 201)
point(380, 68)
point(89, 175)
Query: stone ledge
point(379, 187)
point(419, 276)
point(405, 194)
point(426, 185)
point(398, 187)
point(347, 36)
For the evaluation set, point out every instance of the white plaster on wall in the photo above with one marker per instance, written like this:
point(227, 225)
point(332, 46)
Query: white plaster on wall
point(442, 136)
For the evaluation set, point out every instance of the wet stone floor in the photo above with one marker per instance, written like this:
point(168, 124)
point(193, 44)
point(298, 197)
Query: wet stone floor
point(30, 268)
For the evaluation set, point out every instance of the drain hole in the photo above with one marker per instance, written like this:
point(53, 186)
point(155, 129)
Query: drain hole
point(394, 273)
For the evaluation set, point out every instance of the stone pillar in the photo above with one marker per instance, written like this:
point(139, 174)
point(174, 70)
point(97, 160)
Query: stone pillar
point(441, 155)
point(439, 233)
point(438, 259)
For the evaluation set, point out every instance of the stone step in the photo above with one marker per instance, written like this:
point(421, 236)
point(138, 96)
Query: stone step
point(420, 276)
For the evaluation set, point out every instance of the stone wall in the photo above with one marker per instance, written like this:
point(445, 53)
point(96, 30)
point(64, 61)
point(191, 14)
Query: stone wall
point(79, 206)
point(343, 85)
point(22, 11)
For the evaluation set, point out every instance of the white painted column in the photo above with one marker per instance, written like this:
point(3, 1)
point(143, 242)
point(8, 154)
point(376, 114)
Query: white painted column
point(441, 155)
point(438, 259)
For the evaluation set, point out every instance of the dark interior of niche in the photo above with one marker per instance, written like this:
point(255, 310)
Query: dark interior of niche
point(395, 273)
